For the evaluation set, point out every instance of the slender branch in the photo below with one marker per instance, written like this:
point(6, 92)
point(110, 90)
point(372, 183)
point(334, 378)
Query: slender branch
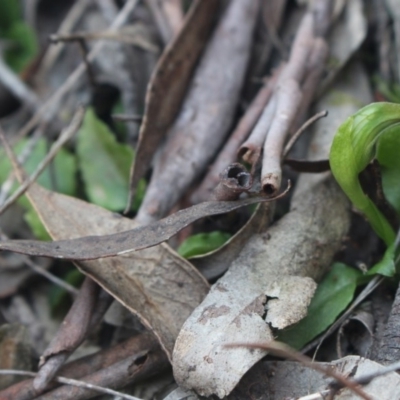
point(41, 271)
point(301, 130)
point(72, 382)
point(17, 87)
point(250, 150)
point(282, 350)
point(288, 100)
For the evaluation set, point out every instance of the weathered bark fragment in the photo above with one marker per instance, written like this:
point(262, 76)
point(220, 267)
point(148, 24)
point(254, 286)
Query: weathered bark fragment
point(273, 275)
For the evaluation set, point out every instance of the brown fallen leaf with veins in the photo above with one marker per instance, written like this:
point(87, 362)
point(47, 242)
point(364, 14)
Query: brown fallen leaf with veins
point(156, 284)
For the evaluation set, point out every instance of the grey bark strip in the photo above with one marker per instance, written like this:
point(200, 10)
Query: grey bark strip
point(94, 247)
point(207, 112)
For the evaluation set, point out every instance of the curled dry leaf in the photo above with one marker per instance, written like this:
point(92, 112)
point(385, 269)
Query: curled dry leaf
point(125, 241)
point(169, 83)
point(273, 276)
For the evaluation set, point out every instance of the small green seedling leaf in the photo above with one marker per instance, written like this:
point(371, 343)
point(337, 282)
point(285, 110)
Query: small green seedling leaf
point(202, 243)
point(386, 266)
point(105, 164)
point(331, 298)
point(361, 138)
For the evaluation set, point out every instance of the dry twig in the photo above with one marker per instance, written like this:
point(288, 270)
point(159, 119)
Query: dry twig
point(72, 382)
point(282, 350)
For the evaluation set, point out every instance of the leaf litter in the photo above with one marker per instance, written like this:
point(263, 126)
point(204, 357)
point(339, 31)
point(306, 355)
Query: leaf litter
point(270, 279)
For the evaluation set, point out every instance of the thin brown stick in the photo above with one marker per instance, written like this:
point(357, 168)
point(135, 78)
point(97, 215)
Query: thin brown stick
point(41, 271)
point(70, 335)
point(228, 154)
point(174, 14)
point(72, 18)
point(119, 36)
point(282, 350)
point(127, 371)
point(162, 23)
point(315, 70)
point(65, 135)
point(17, 87)
point(301, 130)
point(288, 101)
point(72, 382)
point(250, 150)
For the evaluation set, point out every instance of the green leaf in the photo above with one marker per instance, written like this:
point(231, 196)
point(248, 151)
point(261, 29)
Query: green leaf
point(63, 170)
point(387, 153)
point(331, 298)
point(354, 146)
point(104, 164)
point(23, 47)
point(386, 266)
point(10, 13)
point(202, 243)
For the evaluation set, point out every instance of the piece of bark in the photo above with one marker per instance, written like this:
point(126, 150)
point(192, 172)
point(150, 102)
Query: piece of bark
point(273, 275)
point(86, 365)
point(206, 114)
point(389, 347)
point(169, 83)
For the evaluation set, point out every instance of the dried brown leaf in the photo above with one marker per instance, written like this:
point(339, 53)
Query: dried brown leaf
point(103, 222)
point(156, 284)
